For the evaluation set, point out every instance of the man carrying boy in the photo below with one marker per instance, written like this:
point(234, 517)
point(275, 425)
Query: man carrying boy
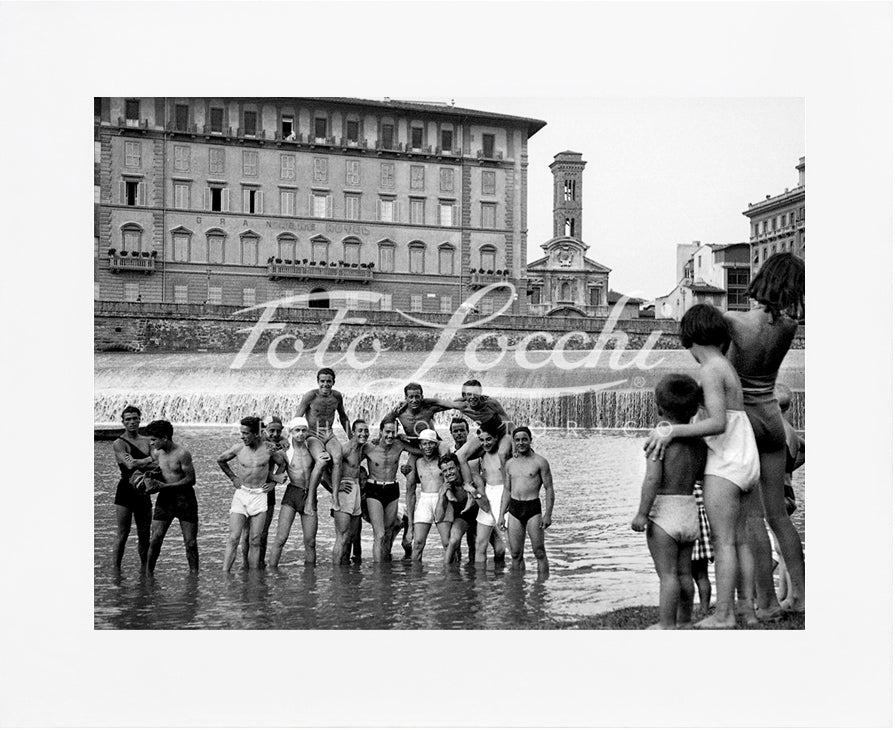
point(464, 509)
point(668, 511)
point(133, 455)
point(525, 474)
point(298, 499)
point(490, 416)
point(176, 496)
point(256, 459)
point(488, 479)
point(320, 408)
point(417, 413)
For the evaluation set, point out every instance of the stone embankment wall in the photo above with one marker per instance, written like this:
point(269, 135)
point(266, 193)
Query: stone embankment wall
point(142, 327)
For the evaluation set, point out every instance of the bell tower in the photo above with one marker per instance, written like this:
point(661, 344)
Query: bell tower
point(568, 169)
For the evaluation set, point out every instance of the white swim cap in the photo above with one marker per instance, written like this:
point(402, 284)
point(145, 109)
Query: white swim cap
point(296, 422)
point(428, 434)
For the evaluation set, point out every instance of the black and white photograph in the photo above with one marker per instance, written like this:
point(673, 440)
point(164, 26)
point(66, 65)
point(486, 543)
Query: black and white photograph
point(491, 323)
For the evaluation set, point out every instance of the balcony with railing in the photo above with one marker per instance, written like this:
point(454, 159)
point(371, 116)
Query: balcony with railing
point(141, 263)
point(547, 308)
point(495, 156)
point(479, 279)
point(286, 269)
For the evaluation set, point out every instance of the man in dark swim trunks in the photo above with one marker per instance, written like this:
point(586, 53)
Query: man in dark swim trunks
point(526, 473)
point(132, 452)
point(176, 497)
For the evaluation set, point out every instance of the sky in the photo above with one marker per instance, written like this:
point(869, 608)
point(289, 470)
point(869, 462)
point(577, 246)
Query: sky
point(659, 172)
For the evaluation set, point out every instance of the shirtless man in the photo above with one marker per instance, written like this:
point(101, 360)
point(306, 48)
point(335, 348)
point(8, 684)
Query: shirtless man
point(525, 474)
point(297, 499)
point(346, 499)
point(428, 509)
point(417, 413)
point(256, 458)
point(464, 508)
point(176, 496)
point(320, 408)
point(382, 489)
point(491, 417)
point(488, 480)
point(132, 452)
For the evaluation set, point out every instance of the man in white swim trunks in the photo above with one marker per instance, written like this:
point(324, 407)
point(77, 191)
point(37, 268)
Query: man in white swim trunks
point(256, 458)
point(428, 509)
point(346, 499)
point(488, 479)
point(298, 499)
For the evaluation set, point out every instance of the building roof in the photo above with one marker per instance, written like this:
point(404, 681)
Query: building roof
point(722, 246)
point(703, 288)
point(775, 201)
point(429, 107)
point(613, 296)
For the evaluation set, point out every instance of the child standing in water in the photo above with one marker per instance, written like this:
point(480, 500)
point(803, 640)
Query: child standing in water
point(795, 457)
point(702, 554)
point(668, 510)
point(732, 466)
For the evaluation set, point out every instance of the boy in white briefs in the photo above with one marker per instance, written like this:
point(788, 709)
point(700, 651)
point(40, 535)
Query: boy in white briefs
point(668, 511)
point(428, 509)
point(256, 458)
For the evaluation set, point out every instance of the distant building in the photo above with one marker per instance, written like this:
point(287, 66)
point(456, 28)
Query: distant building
point(242, 200)
point(565, 282)
point(778, 223)
point(717, 274)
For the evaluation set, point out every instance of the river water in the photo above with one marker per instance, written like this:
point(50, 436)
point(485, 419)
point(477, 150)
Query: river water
point(596, 562)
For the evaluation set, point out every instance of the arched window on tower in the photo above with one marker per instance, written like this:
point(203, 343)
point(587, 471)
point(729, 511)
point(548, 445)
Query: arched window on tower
point(565, 291)
point(570, 227)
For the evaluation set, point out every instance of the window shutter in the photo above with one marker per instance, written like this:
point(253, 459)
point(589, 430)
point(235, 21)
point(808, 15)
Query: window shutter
point(329, 206)
point(245, 200)
point(455, 214)
point(225, 202)
point(310, 204)
point(260, 200)
point(397, 211)
point(141, 193)
point(379, 211)
point(122, 193)
point(207, 199)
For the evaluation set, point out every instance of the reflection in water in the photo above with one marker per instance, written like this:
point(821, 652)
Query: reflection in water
point(596, 562)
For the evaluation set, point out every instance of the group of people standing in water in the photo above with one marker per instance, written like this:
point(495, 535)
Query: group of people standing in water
point(485, 487)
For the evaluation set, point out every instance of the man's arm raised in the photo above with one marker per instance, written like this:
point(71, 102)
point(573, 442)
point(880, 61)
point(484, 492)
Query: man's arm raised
point(343, 416)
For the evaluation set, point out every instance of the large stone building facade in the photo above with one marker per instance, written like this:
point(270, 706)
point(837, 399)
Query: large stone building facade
point(238, 201)
point(777, 223)
point(565, 282)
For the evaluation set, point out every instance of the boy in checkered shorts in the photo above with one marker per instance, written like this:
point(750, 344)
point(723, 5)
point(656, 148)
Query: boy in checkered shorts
point(702, 554)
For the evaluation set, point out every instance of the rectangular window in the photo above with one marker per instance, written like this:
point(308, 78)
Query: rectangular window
point(249, 163)
point(180, 294)
point(489, 215)
point(352, 131)
point(489, 182)
point(320, 129)
point(132, 154)
point(319, 251)
point(217, 120)
point(352, 172)
point(181, 247)
point(488, 145)
point(447, 140)
point(248, 297)
point(488, 259)
point(217, 197)
point(387, 258)
point(181, 158)
point(417, 211)
point(446, 214)
point(287, 167)
point(416, 138)
point(132, 192)
point(96, 291)
point(387, 210)
point(385, 303)
point(417, 177)
point(250, 124)
point(447, 304)
point(321, 169)
point(596, 295)
point(352, 253)
point(182, 196)
point(417, 259)
point(764, 226)
point(131, 291)
point(446, 261)
point(416, 302)
point(287, 202)
point(388, 136)
point(286, 249)
point(352, 207)
point(536, 296)
point(215, 294)
point(249, 251)
point(215, 249)
point(321, 205)
point(131, 241)
point(446, 180)
point(387, 174)
point(132, 112)
point(181, 117)
point(287, 127)
point(216, 160)
point(252, 201)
